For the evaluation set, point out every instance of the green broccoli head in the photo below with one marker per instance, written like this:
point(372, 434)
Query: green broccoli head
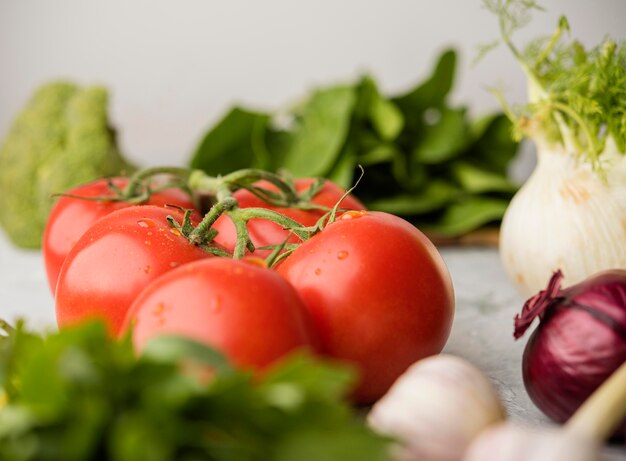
point(62, 138)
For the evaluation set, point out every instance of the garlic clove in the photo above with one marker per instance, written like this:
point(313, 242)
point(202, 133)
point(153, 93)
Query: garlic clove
point(508, 442)
point(436, 408)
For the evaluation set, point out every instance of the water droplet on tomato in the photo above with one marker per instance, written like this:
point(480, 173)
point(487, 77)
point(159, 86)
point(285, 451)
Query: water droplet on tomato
point(146, 223)
point(342, 254)
point(159, 309)
point(147, 242)
point(255, 261)
point(353, 214)
point(173, 264)
point(318, 271)
point(147, 269)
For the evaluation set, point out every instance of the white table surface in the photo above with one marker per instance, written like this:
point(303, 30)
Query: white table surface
point(486, 303)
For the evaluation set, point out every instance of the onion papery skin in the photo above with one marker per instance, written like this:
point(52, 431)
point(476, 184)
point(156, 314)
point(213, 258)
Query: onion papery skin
point(566, 217)
point(579, 343)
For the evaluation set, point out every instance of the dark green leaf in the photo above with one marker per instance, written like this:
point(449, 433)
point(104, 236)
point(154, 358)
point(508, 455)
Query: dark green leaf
point(321, 131)
point(385, 117)
point(175, 348)
point(366, 91)
point(278, 143)
point(494, 147)
point(468, 215)
point(432, 92)
point(326, 382)
point(443, 140)
point(476, 180)
point(236, 142)
point(411, 176)
point(136, 438)
point(342, 173)
point(349, 444)
point(435, 196)
point(382, 153)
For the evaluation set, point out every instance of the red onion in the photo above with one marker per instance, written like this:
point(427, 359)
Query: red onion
point(580, 340)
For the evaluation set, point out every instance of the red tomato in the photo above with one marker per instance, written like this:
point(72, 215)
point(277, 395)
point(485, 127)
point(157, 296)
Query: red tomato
point(263, 232)
point(115, 259)
point(379, 293)
point(71, 217)
point(248, 312)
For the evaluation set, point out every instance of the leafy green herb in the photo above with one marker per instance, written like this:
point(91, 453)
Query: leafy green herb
point(422, 156)
point(320, 131)
point(233, 143)
point(577, 96)
point(78, 395)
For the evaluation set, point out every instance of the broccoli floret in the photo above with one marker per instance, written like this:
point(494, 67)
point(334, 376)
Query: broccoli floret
point(62, 138)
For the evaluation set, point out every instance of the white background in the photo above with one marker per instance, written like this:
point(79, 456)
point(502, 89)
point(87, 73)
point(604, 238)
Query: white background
point(174, 67)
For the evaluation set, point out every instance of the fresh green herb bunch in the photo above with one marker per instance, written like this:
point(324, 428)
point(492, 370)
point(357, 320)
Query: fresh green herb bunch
point(78, 395)
point(424, 159)
point(577, 96)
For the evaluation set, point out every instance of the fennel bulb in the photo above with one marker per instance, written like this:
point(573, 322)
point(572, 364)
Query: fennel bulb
point(566, 216)
point(570, 215)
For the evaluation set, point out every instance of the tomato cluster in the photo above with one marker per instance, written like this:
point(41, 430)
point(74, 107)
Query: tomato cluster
point(367, 288)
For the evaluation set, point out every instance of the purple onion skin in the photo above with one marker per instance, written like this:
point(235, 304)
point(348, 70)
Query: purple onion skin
point(580, 341)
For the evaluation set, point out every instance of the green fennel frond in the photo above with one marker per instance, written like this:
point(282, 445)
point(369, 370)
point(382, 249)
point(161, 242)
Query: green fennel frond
point(576, 94)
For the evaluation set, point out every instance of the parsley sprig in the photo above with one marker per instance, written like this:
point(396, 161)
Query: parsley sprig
point(78, 395)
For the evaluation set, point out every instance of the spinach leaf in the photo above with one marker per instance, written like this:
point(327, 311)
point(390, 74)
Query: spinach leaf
point(443, 140)
point(424, 158)
point(433, 91)
point(476, 180)
point(236, 142)
point(465, 215)
point(495, 146)
point(321, 129)
point(436, 195)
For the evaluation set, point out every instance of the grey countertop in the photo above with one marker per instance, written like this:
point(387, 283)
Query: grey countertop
point(482, 330)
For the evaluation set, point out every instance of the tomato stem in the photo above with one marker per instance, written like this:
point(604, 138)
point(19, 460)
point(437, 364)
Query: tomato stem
point(278, 218)
point(138, 187)
point(219, 190)
point(6, 326)
point(199, 234)
point(242, 178)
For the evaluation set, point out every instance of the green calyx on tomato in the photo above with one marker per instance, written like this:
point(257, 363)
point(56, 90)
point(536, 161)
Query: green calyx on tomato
point(116, 258)
point(261, 212)
point(80, 207)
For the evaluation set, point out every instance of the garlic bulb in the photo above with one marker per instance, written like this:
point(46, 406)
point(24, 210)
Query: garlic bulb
point(436, 408)
point(567, 217)
point(508, 442)
point(581, 439)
